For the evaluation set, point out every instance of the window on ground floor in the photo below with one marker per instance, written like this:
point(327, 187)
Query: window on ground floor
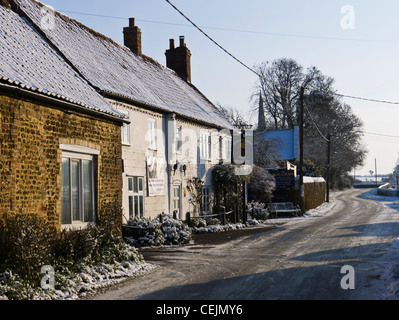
point(176, 200)
point(206, 199)
point(136, 197)
point(78, 189)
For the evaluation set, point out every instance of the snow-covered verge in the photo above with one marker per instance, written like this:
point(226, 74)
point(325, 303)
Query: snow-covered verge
point(82, 280)
point(386, 271)
point(204, 228)
point(373, 195)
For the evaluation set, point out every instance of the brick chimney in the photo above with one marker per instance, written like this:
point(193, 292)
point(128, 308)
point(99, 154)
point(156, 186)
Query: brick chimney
point(132, 37)
point(179, 59)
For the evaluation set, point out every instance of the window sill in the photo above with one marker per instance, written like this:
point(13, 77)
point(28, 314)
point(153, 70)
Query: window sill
point(74, 226)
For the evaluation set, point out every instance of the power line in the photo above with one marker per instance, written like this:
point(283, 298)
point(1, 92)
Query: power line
point(367, 99)
point(247, 31)
point(382, 135)
point(252, 70)
point(315, 124)
point(277, 34)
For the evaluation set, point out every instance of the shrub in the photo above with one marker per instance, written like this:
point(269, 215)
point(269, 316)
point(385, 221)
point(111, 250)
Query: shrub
point(29, 241)
point(175, 231)
point(261, 185)
point(260, 211)
point(26, 240)
point(211, 221)
point(74, 246)
point(149, 232)
point(163, 230)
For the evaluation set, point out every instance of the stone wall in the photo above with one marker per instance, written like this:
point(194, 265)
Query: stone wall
point(314, 192)
point(30, 156)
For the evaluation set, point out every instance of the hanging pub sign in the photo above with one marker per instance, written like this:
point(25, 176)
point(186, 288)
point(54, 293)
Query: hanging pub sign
point(156, 176)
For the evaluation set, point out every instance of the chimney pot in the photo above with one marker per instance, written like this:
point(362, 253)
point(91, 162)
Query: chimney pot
point(131, 22)
point(179, 59)
point(171, 44)
point(182, 44)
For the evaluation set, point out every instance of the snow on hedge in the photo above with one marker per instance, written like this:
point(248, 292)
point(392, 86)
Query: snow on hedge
point(70, 285)
point(163, 230)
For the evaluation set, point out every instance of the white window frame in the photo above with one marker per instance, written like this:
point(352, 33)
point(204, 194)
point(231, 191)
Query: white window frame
point(125, 129)
point(152, 134)
point(133, 194)
point(227, 145)
point(176, 199)
point(75, 157)
point(205, 146)
point(221, 148)
point(179, 139)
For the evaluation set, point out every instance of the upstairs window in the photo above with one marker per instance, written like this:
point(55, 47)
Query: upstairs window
point(227, 150)
point(125, 130)
point(179, 139)
point(152, 134)
point(205, 146)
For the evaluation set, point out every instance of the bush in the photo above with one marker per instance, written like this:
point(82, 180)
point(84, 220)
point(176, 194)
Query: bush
point(175, 231)
point(26, 241)
point(29, 241)
point(163, 230)
point(74, 246)
point(260, 211)
point(261, 185)
point(89, 244)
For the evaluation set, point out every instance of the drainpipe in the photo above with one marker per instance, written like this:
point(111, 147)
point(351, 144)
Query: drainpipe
point(169, 144)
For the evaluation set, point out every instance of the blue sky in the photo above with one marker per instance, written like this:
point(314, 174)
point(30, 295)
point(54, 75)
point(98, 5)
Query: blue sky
point(362, 60)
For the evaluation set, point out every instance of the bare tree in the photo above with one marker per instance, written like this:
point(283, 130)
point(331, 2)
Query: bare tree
point(235, 117)
point(279, 84)
point(325, 113)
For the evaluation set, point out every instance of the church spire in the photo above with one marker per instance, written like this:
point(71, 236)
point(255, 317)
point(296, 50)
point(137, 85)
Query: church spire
point(261, 116)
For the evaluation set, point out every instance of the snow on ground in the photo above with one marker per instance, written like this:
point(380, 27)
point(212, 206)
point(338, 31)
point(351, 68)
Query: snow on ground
point(388, 267)
point(94, 278)
point(323, 209)
point(88, 281)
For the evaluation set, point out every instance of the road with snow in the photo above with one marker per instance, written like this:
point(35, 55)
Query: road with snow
point(301, 259)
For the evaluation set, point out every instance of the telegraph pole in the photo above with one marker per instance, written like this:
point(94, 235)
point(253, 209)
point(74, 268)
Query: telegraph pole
point(328, 168)
point(301, 189)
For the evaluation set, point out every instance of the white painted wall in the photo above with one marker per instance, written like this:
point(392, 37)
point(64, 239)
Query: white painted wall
point(136, 152)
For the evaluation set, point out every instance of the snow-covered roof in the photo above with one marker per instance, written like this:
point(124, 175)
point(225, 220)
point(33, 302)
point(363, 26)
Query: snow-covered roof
point(27, 61)
point(113, 68)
